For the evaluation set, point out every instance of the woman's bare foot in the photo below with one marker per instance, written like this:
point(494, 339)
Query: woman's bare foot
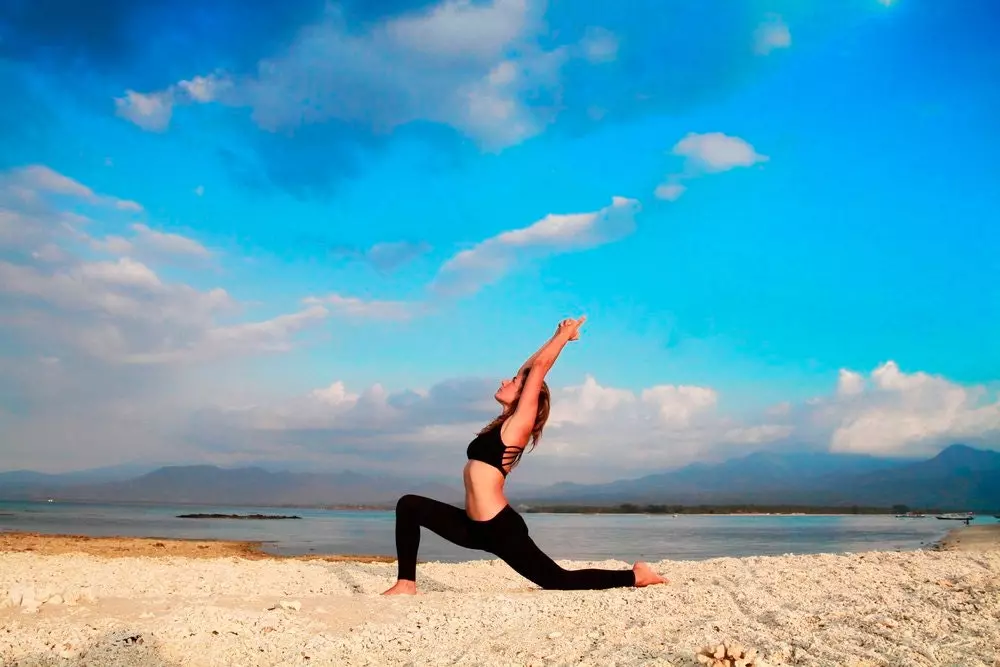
point(644, 575)
point(403, 587)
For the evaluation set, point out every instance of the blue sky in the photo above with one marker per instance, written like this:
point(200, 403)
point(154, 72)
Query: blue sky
point(778, 216)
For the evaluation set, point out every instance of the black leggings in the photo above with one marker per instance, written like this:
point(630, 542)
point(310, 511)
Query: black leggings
point(505, 536)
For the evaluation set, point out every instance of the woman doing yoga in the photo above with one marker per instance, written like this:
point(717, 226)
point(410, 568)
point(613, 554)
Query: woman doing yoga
point(488, 522)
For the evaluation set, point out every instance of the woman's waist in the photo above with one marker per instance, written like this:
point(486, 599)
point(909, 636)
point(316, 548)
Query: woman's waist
point(484, 492)
point(483, 477)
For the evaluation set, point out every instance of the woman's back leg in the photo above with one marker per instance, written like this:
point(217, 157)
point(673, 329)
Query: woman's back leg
point(512, 543)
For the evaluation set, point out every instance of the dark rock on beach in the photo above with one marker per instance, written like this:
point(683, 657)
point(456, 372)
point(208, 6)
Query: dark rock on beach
point(237, 516)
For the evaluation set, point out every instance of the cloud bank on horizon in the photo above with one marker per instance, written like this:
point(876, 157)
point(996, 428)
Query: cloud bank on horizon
point(319, 234)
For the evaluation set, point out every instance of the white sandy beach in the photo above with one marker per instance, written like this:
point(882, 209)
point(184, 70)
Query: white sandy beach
point(892, 609)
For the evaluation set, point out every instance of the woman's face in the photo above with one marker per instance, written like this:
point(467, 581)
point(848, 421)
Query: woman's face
point(509, 390)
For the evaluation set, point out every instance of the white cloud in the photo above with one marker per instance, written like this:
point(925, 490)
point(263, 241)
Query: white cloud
point(650, 429)
point(657, 408)
point(757, 434)
point(49, 253)
point(43, 179)
point(154, 111)
point(28, 184)
point(906, 413)
point(268, 336)
point(460, 29)
point(588, 402)
point(489, 260)
point(354, 307)
point(113, 244)
point(153, 245)
point(849, 383)
point(115, 311)
point(483, 68)
point(491, 109)
point(200, 190)
point(111, 347)
point(772, 34)
point(150, 111)
point(125, 273)
point(336, 395)
point(715, 152)
point(122, 291)
point(708, 153)
point(170, 244)
point(460, 63)
point(123, 312)
point(654, 428)
point(425, 431)
point(39, 224)
point(108, 356)
point(669, 191)
point(205, 88)
point(35, 219)
point(678, 406)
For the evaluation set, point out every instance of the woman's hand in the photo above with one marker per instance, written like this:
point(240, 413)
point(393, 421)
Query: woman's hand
point(570, 328)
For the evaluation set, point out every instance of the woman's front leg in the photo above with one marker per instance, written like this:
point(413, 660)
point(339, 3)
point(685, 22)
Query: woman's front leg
point(414, 512)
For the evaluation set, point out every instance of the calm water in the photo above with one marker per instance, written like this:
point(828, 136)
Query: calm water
point(570, 536)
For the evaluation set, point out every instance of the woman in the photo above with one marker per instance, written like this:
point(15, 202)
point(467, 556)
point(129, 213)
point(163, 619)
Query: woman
point(488, 522)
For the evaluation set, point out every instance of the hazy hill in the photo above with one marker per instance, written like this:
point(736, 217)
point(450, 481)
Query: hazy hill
point(959, 478)
point(24, 478)
point(211, 485)
point(759, 473)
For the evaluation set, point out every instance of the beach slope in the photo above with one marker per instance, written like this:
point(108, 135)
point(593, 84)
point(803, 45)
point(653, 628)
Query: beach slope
point(920, 608)
point(972, 538)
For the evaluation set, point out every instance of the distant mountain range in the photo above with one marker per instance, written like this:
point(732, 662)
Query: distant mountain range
point(211, 485)
point(27, 478)
point(958, 478)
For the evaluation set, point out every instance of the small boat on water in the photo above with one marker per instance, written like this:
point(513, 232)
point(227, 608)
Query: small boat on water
point(911, 515)
point(957, 516)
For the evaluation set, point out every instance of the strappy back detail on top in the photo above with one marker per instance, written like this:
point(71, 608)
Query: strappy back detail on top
point(488, 447)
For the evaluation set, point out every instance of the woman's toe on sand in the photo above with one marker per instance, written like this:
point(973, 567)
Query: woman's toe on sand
point(645, 576)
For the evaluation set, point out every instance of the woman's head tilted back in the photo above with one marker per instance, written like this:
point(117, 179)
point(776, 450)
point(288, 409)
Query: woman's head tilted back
point(509, 394)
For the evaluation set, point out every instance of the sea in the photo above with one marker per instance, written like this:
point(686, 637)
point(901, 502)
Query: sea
point(626, 537)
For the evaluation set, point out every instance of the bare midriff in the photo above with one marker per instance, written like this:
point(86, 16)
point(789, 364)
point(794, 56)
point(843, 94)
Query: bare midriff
point(484, 496)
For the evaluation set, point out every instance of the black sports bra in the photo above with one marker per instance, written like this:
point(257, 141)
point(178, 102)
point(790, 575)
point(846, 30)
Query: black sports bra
point(488, 447)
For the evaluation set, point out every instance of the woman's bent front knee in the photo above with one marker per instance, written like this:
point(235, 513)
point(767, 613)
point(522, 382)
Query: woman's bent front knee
point(407, 502)
point(410, 505)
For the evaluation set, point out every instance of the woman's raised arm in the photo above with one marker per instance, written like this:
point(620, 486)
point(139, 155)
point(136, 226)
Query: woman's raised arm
point(519, 425)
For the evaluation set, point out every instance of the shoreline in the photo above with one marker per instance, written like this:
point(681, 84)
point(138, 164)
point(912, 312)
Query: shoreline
point(45, 544)
point(962, 538)
point(970, 539)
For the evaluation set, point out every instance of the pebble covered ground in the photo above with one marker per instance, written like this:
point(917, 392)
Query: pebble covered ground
point(884, 609)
